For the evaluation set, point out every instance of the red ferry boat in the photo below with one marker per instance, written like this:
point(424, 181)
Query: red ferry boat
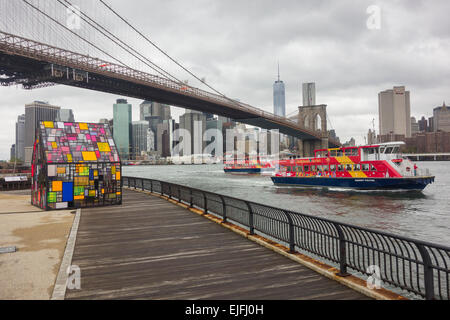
point(371, 167)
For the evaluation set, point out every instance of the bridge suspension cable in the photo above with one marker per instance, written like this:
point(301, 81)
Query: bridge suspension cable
point(165, 53)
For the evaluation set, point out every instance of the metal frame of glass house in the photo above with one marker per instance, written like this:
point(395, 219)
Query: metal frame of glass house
point(75, 165)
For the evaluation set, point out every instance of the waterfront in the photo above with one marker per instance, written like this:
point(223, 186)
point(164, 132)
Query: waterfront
point(422, 215)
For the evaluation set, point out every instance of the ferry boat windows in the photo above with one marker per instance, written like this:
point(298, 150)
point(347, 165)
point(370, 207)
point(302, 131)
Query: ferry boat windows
point(313, 168)
point(340, 153)
point(332, 167)
point(389, 150)
point(372, 168)
point(340, 167)
point(365, 167)
point(306, 168)
point(333, 153)
point(357, 167)
point(348, 167)
point(351, 152)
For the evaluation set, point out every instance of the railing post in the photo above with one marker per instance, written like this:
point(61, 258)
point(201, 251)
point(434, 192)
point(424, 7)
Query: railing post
point(427, 272)
point(205, 201)
point(342, 253)
point(179, 193)
point(134, 183)
point(170, 191)
point(151, 186)
point(142, 182)
point(224, 209)
point(191, 203)
point(250, 219)
point(291, 233)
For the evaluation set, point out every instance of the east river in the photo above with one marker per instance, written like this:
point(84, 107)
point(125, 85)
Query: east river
point(421, 215)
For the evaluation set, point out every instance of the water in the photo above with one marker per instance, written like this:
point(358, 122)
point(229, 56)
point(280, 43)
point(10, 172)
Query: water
point(420, 215)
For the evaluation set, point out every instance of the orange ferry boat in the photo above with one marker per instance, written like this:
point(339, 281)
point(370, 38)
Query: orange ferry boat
point(249, 166)
point(371, 167)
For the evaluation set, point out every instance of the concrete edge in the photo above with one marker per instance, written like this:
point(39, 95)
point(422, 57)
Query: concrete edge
point(324, 269)
point(59, 290)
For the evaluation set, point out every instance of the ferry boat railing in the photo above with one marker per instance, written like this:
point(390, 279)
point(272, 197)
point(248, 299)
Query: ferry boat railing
point(416, 266)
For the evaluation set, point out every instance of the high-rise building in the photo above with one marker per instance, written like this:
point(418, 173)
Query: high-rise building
point(139, 136)
point(12, 156)
point(414, 126)
point(279, 97)
point(154, 109)
point(423, 124)
point(151, 141)
point(394, 112)
point(65, 115)
point(309, 94)
point(122, 127)
point(441, 118)
point(371, 137)
point(35, 113)
point(195, 123)
point(20, 138)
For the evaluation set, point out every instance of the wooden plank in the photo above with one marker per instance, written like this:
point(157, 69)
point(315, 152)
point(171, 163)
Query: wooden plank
point(149, 248)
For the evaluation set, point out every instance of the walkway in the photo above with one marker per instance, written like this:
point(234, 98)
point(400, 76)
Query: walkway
point(149, 248)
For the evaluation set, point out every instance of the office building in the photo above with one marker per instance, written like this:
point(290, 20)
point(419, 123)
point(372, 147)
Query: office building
point(122, 133)
point(394, 112)
point(195, 123)
point(279, 97)
point(35, 113)
point(309, 94)
point(441, 118)
point(65, 115)
point(423, 124)
point(12, 153)
point(154, 109)
point(20, 138)
point(414, 126)
point(139, 137)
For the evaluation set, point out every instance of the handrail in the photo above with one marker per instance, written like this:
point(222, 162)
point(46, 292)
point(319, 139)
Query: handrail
point(417, 266)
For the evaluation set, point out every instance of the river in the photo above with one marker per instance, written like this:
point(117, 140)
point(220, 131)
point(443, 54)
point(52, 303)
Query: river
point(421, 215)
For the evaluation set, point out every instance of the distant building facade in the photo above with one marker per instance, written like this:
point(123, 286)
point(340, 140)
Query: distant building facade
point(395, 112)
point(309, 94)
point(195, 123)
point(139, 137)
point(19, 152)
point(66, 115)
point(441, 118)
point(35, 113)
point(122, 132)
point(279, 97)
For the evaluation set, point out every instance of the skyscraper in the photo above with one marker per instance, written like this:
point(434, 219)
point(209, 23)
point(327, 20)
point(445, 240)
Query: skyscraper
point(139, 136)
point(441, 118)
point(20, 138)
point(65, 115)
point(279, 99)
point(394, 112)
point(122, 127)
point(309, 94)
point(35, 113)
point(154, 109)
point(195, 123)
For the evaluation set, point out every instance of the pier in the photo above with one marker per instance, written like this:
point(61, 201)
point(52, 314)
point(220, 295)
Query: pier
point(150, 248)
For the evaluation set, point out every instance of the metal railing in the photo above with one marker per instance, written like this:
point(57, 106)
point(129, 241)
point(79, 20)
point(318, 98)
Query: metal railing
point(416, 266)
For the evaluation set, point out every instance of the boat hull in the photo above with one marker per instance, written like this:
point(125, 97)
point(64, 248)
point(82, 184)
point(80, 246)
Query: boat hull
point(243, 170)
point(410, 183)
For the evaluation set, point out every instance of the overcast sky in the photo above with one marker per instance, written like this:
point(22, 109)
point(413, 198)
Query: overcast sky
point(236, 45)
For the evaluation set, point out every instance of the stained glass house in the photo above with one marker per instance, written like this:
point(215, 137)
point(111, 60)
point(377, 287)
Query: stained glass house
point(75, 165)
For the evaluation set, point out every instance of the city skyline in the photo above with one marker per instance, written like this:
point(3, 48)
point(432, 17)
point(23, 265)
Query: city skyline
point(400, 54)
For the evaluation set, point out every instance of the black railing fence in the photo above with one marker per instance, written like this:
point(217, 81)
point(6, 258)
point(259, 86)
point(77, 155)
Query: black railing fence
point(415, 266)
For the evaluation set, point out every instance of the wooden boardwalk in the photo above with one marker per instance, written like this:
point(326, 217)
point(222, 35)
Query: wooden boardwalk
point(149, 248)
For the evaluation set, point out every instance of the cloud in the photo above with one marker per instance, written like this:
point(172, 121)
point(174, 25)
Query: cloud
point(236, 45)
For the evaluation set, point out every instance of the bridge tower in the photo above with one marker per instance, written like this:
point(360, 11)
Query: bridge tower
point(312, 117)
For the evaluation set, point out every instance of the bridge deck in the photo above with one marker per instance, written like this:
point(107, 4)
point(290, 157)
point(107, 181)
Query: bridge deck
point(149, 248)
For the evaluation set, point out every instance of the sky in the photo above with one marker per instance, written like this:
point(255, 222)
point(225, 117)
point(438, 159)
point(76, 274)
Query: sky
point(351, 50)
